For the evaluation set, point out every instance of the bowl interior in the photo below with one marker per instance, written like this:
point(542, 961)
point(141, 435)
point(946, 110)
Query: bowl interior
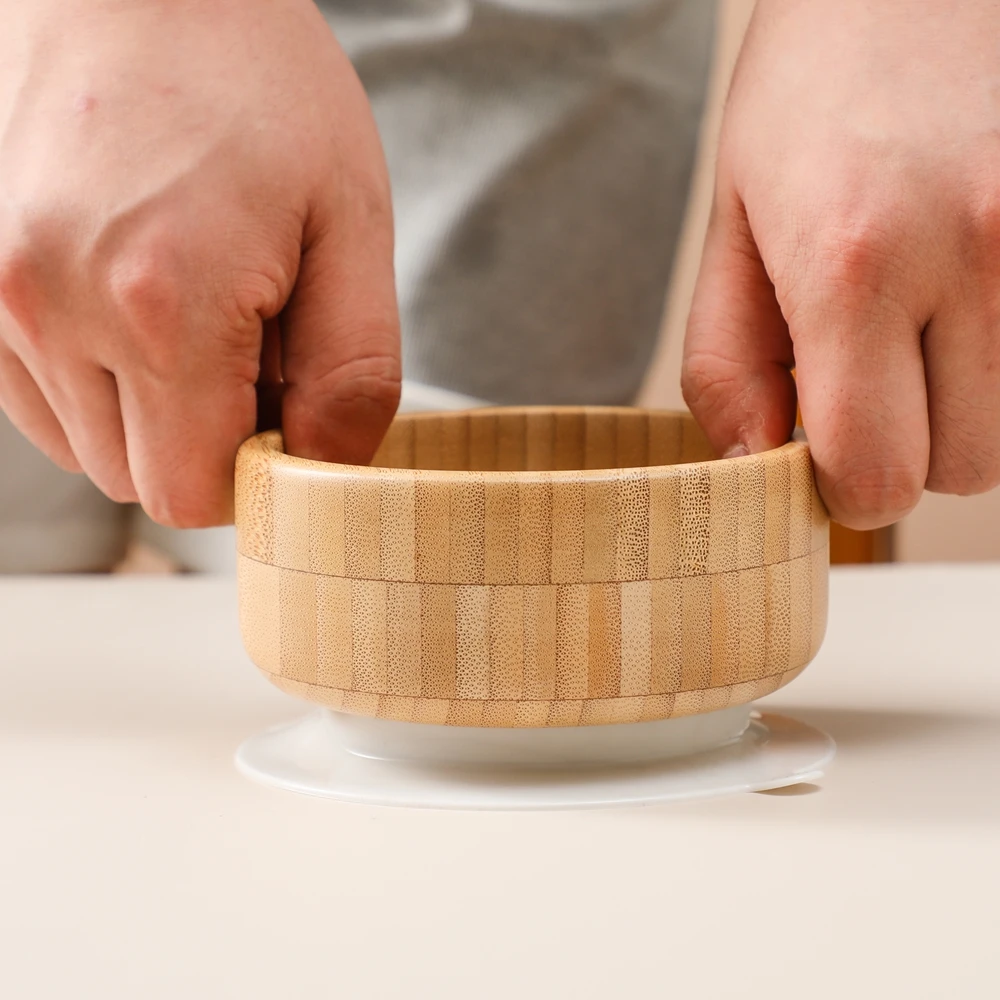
point(542, 440)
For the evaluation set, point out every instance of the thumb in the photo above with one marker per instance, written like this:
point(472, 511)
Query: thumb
point(340, 334)
point(736, 374)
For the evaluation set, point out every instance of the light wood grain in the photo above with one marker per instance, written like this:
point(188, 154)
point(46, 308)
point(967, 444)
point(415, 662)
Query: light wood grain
point(476, 575)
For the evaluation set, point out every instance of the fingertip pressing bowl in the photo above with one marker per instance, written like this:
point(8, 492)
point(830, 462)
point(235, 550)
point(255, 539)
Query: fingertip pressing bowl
point(532, 567)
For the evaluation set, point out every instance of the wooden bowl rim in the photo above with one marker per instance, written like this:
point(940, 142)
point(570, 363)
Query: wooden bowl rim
point(270, 444)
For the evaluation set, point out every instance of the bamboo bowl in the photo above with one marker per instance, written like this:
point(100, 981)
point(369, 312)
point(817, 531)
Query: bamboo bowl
point(532, 567)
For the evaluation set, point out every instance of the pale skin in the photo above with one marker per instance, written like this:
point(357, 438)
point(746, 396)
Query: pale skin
point(856, 235)
point(193, 201)
point(178, 179)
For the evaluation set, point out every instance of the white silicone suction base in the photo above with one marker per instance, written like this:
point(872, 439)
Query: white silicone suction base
point(403, 764)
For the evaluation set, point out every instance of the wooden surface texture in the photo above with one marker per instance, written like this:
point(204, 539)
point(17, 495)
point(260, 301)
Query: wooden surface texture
point(532, 567)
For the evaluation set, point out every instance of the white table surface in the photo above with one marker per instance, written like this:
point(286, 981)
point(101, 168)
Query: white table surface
point(136, 863)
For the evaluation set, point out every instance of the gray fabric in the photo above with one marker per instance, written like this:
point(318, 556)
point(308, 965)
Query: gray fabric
point(540, 153)
point(51, 520)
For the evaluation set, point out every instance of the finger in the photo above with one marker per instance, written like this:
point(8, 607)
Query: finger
point(862, 393)
point(738, 356)
point(186, 356)
point(183, 434)
point(962, 360)
point(84, 398)
point(30, 413)
point(81, 395)
point(341, 356)
point(90, 412)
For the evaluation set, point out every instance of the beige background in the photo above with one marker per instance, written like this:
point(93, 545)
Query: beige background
point(136, 863)
point(941, 528)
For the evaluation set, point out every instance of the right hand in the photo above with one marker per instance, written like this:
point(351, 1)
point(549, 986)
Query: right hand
point(193, 200)
point(855, 237)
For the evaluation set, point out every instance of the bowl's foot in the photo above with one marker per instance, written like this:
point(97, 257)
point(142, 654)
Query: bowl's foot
point(403, 764)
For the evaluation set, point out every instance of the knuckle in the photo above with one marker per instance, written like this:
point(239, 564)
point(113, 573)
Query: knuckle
point(18, 283)
point(144, 287)
point(16, 271)
point(255, 293)
point(875, 495)
point(852, 253)
point(146, 294)
point(983, 226)
point(846, 259)
point(373, 381)
point(375, 390)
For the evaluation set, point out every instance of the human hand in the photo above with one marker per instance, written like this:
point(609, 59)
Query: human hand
point(174, 179)
point(856, 236)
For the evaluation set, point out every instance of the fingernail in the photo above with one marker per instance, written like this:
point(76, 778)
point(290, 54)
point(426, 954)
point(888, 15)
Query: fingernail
point(737, 451)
